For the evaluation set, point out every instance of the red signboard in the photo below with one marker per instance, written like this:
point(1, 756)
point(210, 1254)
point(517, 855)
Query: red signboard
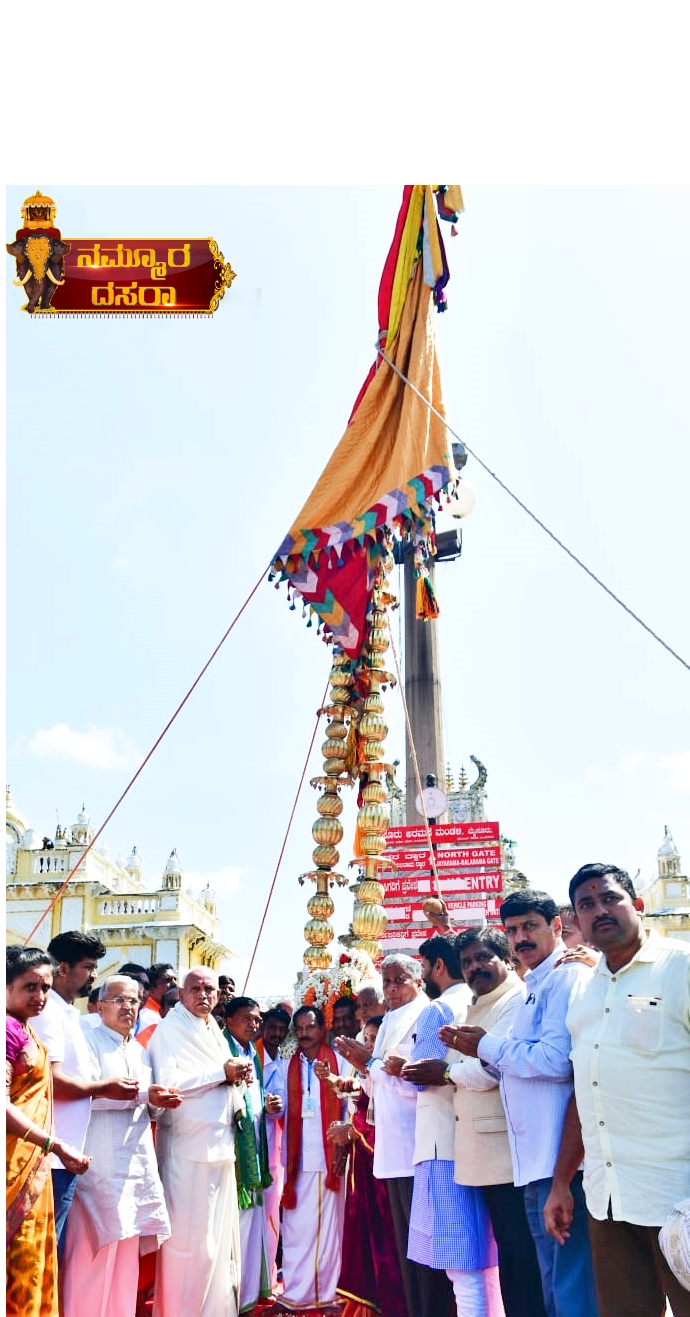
point(475, 911)
point(396, 886)
point(468, 857)
point(443, 832)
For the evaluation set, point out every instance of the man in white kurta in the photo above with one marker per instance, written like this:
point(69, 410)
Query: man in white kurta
point(198, 1273)
point(119, 1205)
point(276, 1025)
point(314, 1197)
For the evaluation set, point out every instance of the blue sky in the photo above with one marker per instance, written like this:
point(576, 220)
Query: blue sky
point(154, 467)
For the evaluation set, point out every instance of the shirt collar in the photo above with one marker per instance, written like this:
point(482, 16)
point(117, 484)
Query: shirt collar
point(65, 1005)
point(540, 971)
point(647, 952)
point(114, 1034)
point(509, 984)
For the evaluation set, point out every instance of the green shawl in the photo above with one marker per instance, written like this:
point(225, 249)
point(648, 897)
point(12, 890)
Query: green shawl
point(251, 1162)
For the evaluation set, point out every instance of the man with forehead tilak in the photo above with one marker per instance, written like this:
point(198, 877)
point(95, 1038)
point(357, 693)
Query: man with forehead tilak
point(630, 1027)
point(314, 1193)
point(119, 1207)
point(198, 1272)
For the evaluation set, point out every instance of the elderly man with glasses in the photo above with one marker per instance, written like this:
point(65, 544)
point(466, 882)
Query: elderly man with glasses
point(119, 1203)
point(198, 1270)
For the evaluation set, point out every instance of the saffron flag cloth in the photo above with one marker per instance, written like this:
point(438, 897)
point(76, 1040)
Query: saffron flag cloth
point(395, 456)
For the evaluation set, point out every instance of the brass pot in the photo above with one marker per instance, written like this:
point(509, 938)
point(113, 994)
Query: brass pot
point(368, 920)
point(327, 832)
point(316, 959)
point(326, 856)
point(334, 767)
point(332, 749)
point(329, 805)
point(373, 818)
point(374, 793)
point(318, 932)
point(372, 750)
point(369, 892)
point(320, 905)
point(371, 844)
point(336, 730)
point(373, 727)
point(373, 703)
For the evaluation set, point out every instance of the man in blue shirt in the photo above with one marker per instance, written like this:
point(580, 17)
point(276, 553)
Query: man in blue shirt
point(536, 1082)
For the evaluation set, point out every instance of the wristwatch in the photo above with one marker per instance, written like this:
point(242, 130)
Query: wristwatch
point(446, 1075)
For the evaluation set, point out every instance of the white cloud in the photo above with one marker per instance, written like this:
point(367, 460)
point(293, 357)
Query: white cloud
point(102, 748)
point(123, 559)
point(679, 766)
point(632, 762)
point(221, 881)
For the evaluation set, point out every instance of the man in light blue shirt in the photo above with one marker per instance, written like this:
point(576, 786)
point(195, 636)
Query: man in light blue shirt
point(536, 1082)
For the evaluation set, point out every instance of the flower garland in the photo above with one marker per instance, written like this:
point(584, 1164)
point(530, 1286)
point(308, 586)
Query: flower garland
point(323, 987)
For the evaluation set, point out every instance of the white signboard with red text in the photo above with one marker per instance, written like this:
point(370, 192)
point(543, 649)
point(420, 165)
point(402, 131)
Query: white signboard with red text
point(468, 863)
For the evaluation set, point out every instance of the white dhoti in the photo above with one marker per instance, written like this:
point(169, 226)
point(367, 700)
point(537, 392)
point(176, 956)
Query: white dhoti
point(312, 1242)
point(254, 1254)
point(104, 1285)
point(197, 1273)
point(272, 1197)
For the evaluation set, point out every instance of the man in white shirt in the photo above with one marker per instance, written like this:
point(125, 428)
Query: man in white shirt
point(198, 1270)
point(119, 1204)
point(58, 1026)
point(482, 1150)
point(536, 1082)
point(394, 1107)
point(630, 1026)
point(276, 1023)
point(314, 1192)
point(450, 1230)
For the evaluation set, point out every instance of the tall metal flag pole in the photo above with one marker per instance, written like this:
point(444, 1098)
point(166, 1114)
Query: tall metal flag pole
point(382, 484)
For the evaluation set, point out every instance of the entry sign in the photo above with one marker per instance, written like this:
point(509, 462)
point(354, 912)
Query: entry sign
point(457, 857)
point(454, 833)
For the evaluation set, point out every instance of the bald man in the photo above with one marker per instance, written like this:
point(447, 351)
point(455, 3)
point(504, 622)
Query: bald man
point(199, 1266)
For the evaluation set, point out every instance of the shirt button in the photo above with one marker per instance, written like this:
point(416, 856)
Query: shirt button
point(594, 1084)
point(607, 1010)
point(614, 979)
point(609, 1163)
point(596, 1047)
point(600, 1122)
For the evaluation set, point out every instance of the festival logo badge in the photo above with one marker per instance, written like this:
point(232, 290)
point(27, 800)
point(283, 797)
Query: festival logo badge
point(114, 276)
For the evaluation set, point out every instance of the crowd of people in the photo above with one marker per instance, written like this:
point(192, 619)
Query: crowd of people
point(499, 1127)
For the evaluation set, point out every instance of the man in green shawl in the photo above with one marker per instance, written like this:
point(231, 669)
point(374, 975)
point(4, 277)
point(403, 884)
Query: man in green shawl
point(242, 1025)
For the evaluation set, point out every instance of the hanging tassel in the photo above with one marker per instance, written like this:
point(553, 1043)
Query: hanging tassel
point(426, 604)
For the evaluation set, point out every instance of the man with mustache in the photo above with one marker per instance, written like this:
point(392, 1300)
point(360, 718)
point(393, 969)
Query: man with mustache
point(536, 1083)
point(630, 1026)
point(482, 1151)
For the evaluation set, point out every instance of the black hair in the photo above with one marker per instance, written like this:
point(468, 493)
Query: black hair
point(442, 948)
point(70, 948)
point(316, 1010)
point(225, 982)
point(21, 959)
point(377, 1020)
point(94, 994)
point(156, 972)
point(348, 1003)
point(526, 901)
point(489, 936)
point(277, 1013)
point(591, 871)
point(239, 1004)
point(134, 971)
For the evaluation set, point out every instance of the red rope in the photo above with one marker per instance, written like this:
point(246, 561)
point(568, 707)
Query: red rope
point(285, 839)
point(155, 745)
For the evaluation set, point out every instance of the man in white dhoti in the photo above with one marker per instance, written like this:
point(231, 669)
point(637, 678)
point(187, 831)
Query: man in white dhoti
point(119, 1205)
point(242, 1025)
point(276, 1025)
point(198, 1273)
point(314, 1193)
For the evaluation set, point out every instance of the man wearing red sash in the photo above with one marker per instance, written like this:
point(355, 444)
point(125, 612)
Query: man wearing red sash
point(314, 1193)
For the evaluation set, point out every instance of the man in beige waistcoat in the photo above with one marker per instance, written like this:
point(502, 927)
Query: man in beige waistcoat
point(482, 1151)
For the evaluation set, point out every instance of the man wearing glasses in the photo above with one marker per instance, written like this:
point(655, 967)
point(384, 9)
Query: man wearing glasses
point(199, 1265)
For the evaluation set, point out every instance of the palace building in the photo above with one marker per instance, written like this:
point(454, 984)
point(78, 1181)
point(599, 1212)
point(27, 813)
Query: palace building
point(667, 897)
point(105, 897)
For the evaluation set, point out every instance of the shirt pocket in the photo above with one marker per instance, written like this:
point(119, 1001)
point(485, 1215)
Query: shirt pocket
point(489, 1124)
point(641, 1025)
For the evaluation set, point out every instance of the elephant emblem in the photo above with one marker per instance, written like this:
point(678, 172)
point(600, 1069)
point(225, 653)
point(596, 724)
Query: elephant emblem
point(39, 267)
point(39, 252)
